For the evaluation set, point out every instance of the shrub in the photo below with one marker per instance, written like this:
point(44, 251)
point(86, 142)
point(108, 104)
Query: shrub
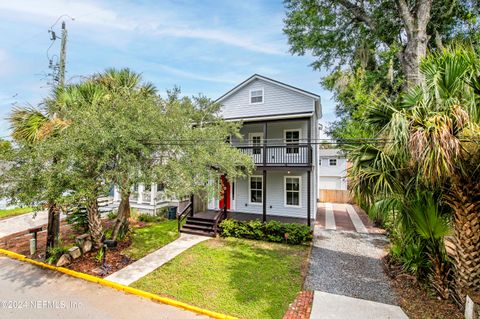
point(272, 231)
point(150, 218)
point(55, 253)
point(77, 217)
point(112, 215)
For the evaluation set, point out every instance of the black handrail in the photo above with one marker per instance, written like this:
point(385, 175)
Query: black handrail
point(183, 214)
point(218, 219)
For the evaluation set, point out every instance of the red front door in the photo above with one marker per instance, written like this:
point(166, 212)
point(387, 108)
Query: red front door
point(225, 196)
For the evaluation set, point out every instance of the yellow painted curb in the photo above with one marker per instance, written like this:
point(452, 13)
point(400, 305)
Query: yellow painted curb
point(116, 286)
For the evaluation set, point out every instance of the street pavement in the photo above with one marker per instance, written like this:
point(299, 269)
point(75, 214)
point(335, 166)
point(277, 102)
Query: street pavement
point(28, 292)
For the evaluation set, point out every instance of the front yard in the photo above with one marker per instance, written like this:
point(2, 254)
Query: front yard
point(14, 211)
point(249, 279)
point(150, 238)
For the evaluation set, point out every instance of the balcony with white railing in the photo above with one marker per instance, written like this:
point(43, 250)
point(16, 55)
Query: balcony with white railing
point(291, 155)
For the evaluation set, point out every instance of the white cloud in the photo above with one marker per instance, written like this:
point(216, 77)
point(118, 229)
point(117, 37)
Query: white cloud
point(232, 79)
point(136, 19)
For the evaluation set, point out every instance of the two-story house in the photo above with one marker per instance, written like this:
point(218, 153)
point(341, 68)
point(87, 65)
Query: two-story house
point(279, 127)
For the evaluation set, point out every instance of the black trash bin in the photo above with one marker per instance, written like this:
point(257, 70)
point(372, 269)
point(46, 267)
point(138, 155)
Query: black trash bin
point(172, 212)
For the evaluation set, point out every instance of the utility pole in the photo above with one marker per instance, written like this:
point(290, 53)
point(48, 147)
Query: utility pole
point(63, 53)
point(58, 63)
point(58, 74)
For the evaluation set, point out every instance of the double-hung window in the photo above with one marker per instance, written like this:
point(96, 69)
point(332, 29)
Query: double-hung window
point(292, 138)
point(292, 191)
point(256, 189)
point(256, 96)
point(256, 140)
point(333, 162)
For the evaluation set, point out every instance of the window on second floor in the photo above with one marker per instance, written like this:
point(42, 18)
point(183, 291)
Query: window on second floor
point(333, 162)
point(292, 138)
point(256, 96)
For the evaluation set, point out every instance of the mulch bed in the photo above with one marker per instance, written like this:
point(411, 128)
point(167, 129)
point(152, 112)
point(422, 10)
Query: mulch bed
point(301, 307)
point(415, 298)
point(115, 261)
point(20, 243)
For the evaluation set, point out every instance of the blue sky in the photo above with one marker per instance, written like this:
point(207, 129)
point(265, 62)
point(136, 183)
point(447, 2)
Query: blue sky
point(201, 46)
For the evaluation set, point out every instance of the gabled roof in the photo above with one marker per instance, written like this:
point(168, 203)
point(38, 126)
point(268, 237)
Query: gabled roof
point(264, 78)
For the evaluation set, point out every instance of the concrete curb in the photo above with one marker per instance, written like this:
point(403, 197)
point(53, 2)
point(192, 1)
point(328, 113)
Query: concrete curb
point(119, 287)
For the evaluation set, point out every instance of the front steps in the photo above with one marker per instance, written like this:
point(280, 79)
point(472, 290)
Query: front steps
point(198, 226)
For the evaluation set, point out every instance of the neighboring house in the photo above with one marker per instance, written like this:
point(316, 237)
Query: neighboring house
point(332, 169)
point(279, 125)
point(147, 198)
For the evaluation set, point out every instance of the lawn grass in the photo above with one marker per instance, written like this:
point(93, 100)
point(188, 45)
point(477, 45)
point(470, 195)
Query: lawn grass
point(244, 278)
point(152, 237)
point(15, 211)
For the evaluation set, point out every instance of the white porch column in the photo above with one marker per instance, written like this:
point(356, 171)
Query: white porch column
point(141, 189)
point(153, 193)
point(116, 194)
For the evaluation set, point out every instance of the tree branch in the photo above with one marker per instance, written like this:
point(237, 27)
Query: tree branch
point(358, 11)
point(423, 14)
point(406, 16)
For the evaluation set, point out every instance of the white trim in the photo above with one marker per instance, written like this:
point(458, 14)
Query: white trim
point(254, 134)
point(273, 117)
point(299, 130)
point(299, 191)
point(259, 77)
point(250, 96)
point(250, 190)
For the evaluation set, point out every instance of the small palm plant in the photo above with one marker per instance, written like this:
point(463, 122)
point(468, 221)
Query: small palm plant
point(432, 142)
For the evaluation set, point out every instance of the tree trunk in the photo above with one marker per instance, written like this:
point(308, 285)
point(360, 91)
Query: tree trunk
point(52, 227)
point(417, 38)
point(121, 222)
point(464, 199)
point(414, 51)
point(94, 224)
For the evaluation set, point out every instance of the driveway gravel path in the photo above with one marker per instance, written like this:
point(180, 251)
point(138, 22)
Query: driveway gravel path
point(349, 264)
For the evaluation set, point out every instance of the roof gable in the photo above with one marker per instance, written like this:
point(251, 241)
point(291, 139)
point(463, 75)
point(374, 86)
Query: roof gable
point(275, 82)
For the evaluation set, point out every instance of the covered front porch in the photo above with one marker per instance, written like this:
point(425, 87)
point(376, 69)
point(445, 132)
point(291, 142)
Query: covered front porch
point(212, 214)
point(206, 222)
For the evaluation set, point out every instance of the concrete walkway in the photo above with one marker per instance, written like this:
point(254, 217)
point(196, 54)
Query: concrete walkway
point(23, 222)
point(30, 292)
point(346, 268)
point(149, 263)
point(330, 306)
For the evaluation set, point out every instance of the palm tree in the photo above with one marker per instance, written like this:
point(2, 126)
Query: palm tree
point(432, 142)
point(29, 126)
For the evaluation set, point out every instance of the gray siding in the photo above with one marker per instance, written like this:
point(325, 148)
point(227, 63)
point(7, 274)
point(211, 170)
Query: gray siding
point(277, 100)
point(275, 196)
point(275, 131)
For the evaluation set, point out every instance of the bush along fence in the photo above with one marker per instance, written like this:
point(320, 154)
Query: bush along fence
point(273, 231)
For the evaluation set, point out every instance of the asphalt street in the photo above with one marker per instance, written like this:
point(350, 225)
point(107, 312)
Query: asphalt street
point(28, 292)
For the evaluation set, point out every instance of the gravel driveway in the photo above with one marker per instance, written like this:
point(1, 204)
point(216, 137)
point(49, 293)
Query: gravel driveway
point(349, 264)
